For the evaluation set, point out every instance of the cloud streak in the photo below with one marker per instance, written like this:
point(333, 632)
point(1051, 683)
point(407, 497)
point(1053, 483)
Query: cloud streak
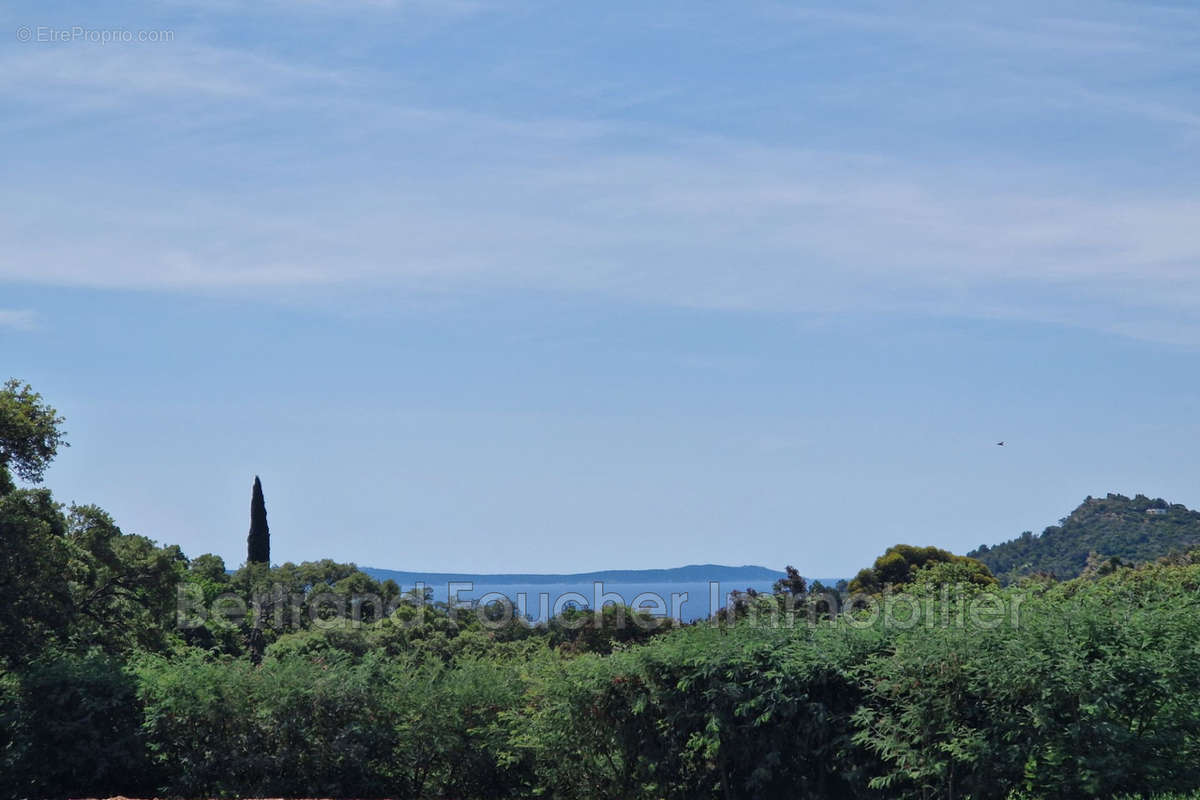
point(21, 320)
point(248, 169)
point(715, 225)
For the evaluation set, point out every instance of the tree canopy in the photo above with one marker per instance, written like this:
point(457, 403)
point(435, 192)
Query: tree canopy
point(901, 564)
point(29, 432)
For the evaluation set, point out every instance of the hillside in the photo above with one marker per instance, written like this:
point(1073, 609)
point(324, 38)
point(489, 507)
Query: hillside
point(1134, 529)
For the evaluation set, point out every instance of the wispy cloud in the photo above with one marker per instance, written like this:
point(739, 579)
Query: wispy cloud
point(243, 167)
point(1066, 32)
point(718, 225)
point(447, 8)
point(1097, 55)
point(178, 71)
point(21, 320)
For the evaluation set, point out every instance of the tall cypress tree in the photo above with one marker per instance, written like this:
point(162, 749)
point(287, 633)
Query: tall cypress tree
point(258, 550)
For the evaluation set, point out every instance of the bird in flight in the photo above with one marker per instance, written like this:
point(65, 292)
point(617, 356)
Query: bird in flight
point(1000, 444)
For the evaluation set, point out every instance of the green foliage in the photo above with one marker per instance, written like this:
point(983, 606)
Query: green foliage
point(793, 583)
point(270, 602)
point(901, 564)
point(336, 726)
point(77, 581)
point(122, 585)
point(1134, 530)
point(70, 726)
point(29, 433)
point(1091, 689)
point(582, 630)
point(704, 712)
point(207, 572)
point(1093, 692)
point(36, 607)
point(225, 727)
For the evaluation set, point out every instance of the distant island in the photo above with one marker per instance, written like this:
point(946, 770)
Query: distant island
point(693, 573)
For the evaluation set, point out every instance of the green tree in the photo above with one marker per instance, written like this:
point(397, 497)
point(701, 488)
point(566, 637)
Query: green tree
point(900, 565)
point(208, 571)
point(122, 585)
point(36, 596)
point(69, 581)
point(29, 433)
point(76, 581)
point(259, 541)
point(793, 584)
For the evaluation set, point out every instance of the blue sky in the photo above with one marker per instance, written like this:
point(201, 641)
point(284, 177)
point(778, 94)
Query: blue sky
point(553, 287)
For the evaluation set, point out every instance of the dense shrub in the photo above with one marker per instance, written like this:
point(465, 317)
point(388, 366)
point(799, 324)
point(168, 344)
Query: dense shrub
point(70, 726)
point(1096, 692)
point(333, 726)
point(704, 713)
point(1092, 690)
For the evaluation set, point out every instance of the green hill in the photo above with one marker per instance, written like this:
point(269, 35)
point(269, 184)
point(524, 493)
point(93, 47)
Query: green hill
point(1133, 529)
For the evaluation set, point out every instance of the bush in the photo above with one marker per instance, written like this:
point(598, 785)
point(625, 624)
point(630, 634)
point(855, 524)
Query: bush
point(705, 713)
point(69, 726)
point(331, 726)
point(1092, 690)
point(1094, 693)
